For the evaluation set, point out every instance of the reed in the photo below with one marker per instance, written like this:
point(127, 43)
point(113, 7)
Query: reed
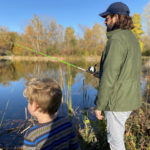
point(5, 110)
point(66, 100)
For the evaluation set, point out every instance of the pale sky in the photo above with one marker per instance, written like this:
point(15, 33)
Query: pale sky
point(15, 14)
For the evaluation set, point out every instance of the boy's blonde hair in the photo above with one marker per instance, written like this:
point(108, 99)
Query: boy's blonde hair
point(46, 93)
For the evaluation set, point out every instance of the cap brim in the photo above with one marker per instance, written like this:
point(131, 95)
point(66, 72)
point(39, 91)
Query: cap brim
point(104, 14)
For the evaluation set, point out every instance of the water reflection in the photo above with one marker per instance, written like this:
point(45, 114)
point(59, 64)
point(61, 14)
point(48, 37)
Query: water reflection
point(15, 74)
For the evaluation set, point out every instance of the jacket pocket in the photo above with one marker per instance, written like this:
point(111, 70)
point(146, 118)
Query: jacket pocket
point(128, 96)
point(114, 98)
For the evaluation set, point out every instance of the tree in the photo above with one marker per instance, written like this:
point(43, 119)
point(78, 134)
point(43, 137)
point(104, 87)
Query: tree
point(99, 37)
point(147, 18)
point(55, 37)
point(4, 45)
point(146, 38)
point(138, 29)
point(7, 40)
point(94, 39)
point(69, 40)
point(88, 39)
point(34, 34)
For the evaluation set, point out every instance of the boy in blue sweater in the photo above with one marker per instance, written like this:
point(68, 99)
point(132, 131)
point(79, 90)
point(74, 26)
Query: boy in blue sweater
point(51, 132)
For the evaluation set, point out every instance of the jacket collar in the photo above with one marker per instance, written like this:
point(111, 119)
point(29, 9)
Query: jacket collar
point(109, 34)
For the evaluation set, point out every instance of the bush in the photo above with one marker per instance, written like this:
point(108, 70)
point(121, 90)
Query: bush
point(146, 52)
point(137, 134)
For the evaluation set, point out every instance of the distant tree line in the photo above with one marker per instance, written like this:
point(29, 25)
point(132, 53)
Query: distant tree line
point(52, 39)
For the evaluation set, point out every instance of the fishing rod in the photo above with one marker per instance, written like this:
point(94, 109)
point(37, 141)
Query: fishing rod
point(91, 69)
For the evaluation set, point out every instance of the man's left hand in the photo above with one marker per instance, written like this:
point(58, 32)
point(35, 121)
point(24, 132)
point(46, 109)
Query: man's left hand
point(98, 114)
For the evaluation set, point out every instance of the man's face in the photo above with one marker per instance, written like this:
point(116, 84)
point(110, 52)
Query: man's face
point(110, 22)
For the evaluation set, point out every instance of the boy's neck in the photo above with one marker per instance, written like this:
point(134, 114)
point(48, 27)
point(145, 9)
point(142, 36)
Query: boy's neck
point(44, 117)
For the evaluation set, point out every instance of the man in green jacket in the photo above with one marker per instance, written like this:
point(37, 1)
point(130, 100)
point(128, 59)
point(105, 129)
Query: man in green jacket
point(119, 89)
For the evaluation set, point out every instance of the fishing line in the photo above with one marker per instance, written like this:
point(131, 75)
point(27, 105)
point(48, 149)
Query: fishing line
point(52, 57)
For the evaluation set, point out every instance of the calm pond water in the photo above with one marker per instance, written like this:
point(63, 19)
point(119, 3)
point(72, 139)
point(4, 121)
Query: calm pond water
point(79, 86)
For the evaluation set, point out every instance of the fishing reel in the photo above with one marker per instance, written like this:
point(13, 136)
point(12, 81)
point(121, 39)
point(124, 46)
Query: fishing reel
point(92, 69)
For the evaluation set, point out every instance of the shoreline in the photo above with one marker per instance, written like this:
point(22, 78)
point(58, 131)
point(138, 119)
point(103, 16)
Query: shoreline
point(50, 58)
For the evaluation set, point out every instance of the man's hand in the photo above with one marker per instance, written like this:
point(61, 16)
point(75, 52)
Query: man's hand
point(99, 115)
point(96, 74)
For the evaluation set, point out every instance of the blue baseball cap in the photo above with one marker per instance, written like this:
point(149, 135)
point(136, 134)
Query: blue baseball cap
point(116, 8)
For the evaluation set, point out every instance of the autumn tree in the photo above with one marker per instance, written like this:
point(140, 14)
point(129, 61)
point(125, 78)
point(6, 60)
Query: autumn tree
point(87, 40)
point(60, 37)
point(147, 18)
point(138, 31)
point(7, 40)
point(34, 33)
point(54, 37)
point(94, 39)
point(4, 45)
point(70, 40)
point(29, 39)
point(146, 37)
point(98, 38)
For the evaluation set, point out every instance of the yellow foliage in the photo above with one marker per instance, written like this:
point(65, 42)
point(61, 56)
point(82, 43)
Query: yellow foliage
point(138, 29)
point(70, 39)
point(94, 39)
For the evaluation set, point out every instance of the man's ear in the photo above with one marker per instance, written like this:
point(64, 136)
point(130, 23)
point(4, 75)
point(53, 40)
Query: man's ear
point(116, 17)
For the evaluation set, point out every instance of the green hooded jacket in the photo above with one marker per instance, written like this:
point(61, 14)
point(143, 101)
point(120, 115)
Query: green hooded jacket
point(120, 70)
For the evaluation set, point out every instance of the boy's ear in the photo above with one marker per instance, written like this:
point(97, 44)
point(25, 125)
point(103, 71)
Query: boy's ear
point(34, 106)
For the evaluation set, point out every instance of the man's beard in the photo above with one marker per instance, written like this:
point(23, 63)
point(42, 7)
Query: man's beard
point(112, 26)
